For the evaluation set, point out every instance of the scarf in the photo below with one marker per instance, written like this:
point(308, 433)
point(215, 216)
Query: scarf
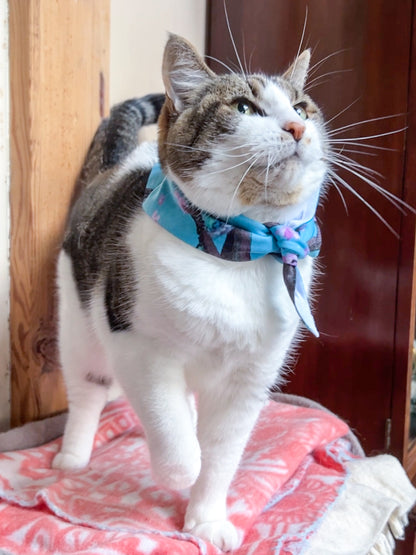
point(238, 238)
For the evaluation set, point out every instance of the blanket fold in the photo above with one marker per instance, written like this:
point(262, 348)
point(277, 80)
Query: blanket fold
point(374, 505)
point(298, 469)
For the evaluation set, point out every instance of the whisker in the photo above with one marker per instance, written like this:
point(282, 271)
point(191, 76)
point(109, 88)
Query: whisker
point(316, 66)
point(309, 88)
point(250, 60)
point(362, 145)
point(314, 49)
point(232, 38)
point(347, 160)
point(355, 151)
point(342, 111)
point(229, 148)
point(223, 152)
point(356, 124)
point(366, 138)
point(255, 156)
point(391, 197)
point(238, 186)
point(310, 83)
point(340, 194)
point(301, 41)
point(244, 56)
point(220, 62)
point(362, 199)
point(266, 180)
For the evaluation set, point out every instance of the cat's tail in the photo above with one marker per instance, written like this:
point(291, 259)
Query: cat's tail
point(116, 136)
point(124, 123)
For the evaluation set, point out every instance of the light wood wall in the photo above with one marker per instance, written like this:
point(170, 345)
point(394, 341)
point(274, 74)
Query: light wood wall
point(59, 71)
point(4, 218)
point(59, 60)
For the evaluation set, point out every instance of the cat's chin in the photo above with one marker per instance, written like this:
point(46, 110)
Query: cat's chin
point(268, 213)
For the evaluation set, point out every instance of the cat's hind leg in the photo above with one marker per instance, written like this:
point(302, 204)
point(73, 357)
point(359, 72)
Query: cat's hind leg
point(87, 377)
point(85, 406)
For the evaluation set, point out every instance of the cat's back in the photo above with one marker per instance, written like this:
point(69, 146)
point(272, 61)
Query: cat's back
point(97, 229)
point(110, 188)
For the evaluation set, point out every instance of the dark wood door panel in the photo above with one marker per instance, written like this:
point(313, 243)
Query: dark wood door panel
point(350, 368)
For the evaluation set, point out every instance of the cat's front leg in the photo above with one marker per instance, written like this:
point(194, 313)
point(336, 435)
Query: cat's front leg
point(224, 426)
point(155, 385)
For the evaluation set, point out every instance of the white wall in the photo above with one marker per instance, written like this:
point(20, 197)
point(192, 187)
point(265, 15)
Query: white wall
point(138, 34)
point(4, 219)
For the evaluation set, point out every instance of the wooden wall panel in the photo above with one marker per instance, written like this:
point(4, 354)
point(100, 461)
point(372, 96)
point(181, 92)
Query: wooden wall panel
point(406, 291)
point(59, 68)
point(353, 366)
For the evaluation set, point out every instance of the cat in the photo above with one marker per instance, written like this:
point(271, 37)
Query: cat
point(164, 317)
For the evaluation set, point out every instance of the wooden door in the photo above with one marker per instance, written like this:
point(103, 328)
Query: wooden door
point(351, 367)
point(59, 69)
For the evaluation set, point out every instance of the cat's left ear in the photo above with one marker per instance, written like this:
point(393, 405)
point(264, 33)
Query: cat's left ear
point(182, 71)
point(298, 71)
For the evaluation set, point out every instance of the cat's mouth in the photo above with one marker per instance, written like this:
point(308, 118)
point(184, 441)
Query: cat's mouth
point(297, 158)
point(279, 165)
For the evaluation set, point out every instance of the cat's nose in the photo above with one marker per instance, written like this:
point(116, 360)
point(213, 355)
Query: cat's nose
point(295, 128)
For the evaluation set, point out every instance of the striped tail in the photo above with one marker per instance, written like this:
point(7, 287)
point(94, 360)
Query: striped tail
point(116, 136)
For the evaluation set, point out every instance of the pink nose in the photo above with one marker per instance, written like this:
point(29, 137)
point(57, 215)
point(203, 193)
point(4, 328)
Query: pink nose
point(297, 129)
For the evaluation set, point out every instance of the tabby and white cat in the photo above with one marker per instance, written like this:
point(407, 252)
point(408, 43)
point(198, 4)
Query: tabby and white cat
point(141, 307)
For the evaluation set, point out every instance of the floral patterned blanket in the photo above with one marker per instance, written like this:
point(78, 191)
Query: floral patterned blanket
point(292, 471)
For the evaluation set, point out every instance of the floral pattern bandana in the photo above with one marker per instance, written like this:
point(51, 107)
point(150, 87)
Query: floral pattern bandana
point(239, 238)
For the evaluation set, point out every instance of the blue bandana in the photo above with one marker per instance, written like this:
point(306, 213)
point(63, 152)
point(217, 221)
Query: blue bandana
point(239, 239)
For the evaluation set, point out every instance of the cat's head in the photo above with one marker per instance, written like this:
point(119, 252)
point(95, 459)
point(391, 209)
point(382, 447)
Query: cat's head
point(240, 143)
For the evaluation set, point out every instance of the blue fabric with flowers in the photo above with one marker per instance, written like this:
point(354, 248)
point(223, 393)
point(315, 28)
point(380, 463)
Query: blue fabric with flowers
point(238, 238)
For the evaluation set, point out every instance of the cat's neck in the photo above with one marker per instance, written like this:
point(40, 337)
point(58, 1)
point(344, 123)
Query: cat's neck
point(293, 215)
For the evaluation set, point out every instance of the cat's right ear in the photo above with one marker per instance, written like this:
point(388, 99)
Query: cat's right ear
point(298, 71)
point(182, 71)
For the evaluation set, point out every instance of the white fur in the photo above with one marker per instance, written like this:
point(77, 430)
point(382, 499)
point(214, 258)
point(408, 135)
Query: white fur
point(277, 105)
point(215, 328)
point(143, 157)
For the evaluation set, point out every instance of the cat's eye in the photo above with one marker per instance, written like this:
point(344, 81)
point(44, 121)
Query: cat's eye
point(300, 109)
point(244, 107)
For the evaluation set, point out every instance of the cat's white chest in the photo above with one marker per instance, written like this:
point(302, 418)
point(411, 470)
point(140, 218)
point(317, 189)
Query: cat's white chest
point(207, 305)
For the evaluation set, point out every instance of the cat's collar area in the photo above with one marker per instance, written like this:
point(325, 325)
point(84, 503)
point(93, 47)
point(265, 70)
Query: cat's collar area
point(237, 239)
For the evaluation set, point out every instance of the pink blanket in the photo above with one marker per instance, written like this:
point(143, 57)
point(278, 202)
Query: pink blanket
point(291, 472)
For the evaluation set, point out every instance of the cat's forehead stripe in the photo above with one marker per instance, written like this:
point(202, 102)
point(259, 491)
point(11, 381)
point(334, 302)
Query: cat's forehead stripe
point(275, 99)
point(256, 85)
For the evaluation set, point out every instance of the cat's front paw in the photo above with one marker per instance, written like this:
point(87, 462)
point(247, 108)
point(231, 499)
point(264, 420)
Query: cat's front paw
point(68, 461)
point(221, 533)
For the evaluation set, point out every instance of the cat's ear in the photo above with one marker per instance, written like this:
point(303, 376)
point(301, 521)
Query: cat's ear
point(298, 71)
point(183, 70)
